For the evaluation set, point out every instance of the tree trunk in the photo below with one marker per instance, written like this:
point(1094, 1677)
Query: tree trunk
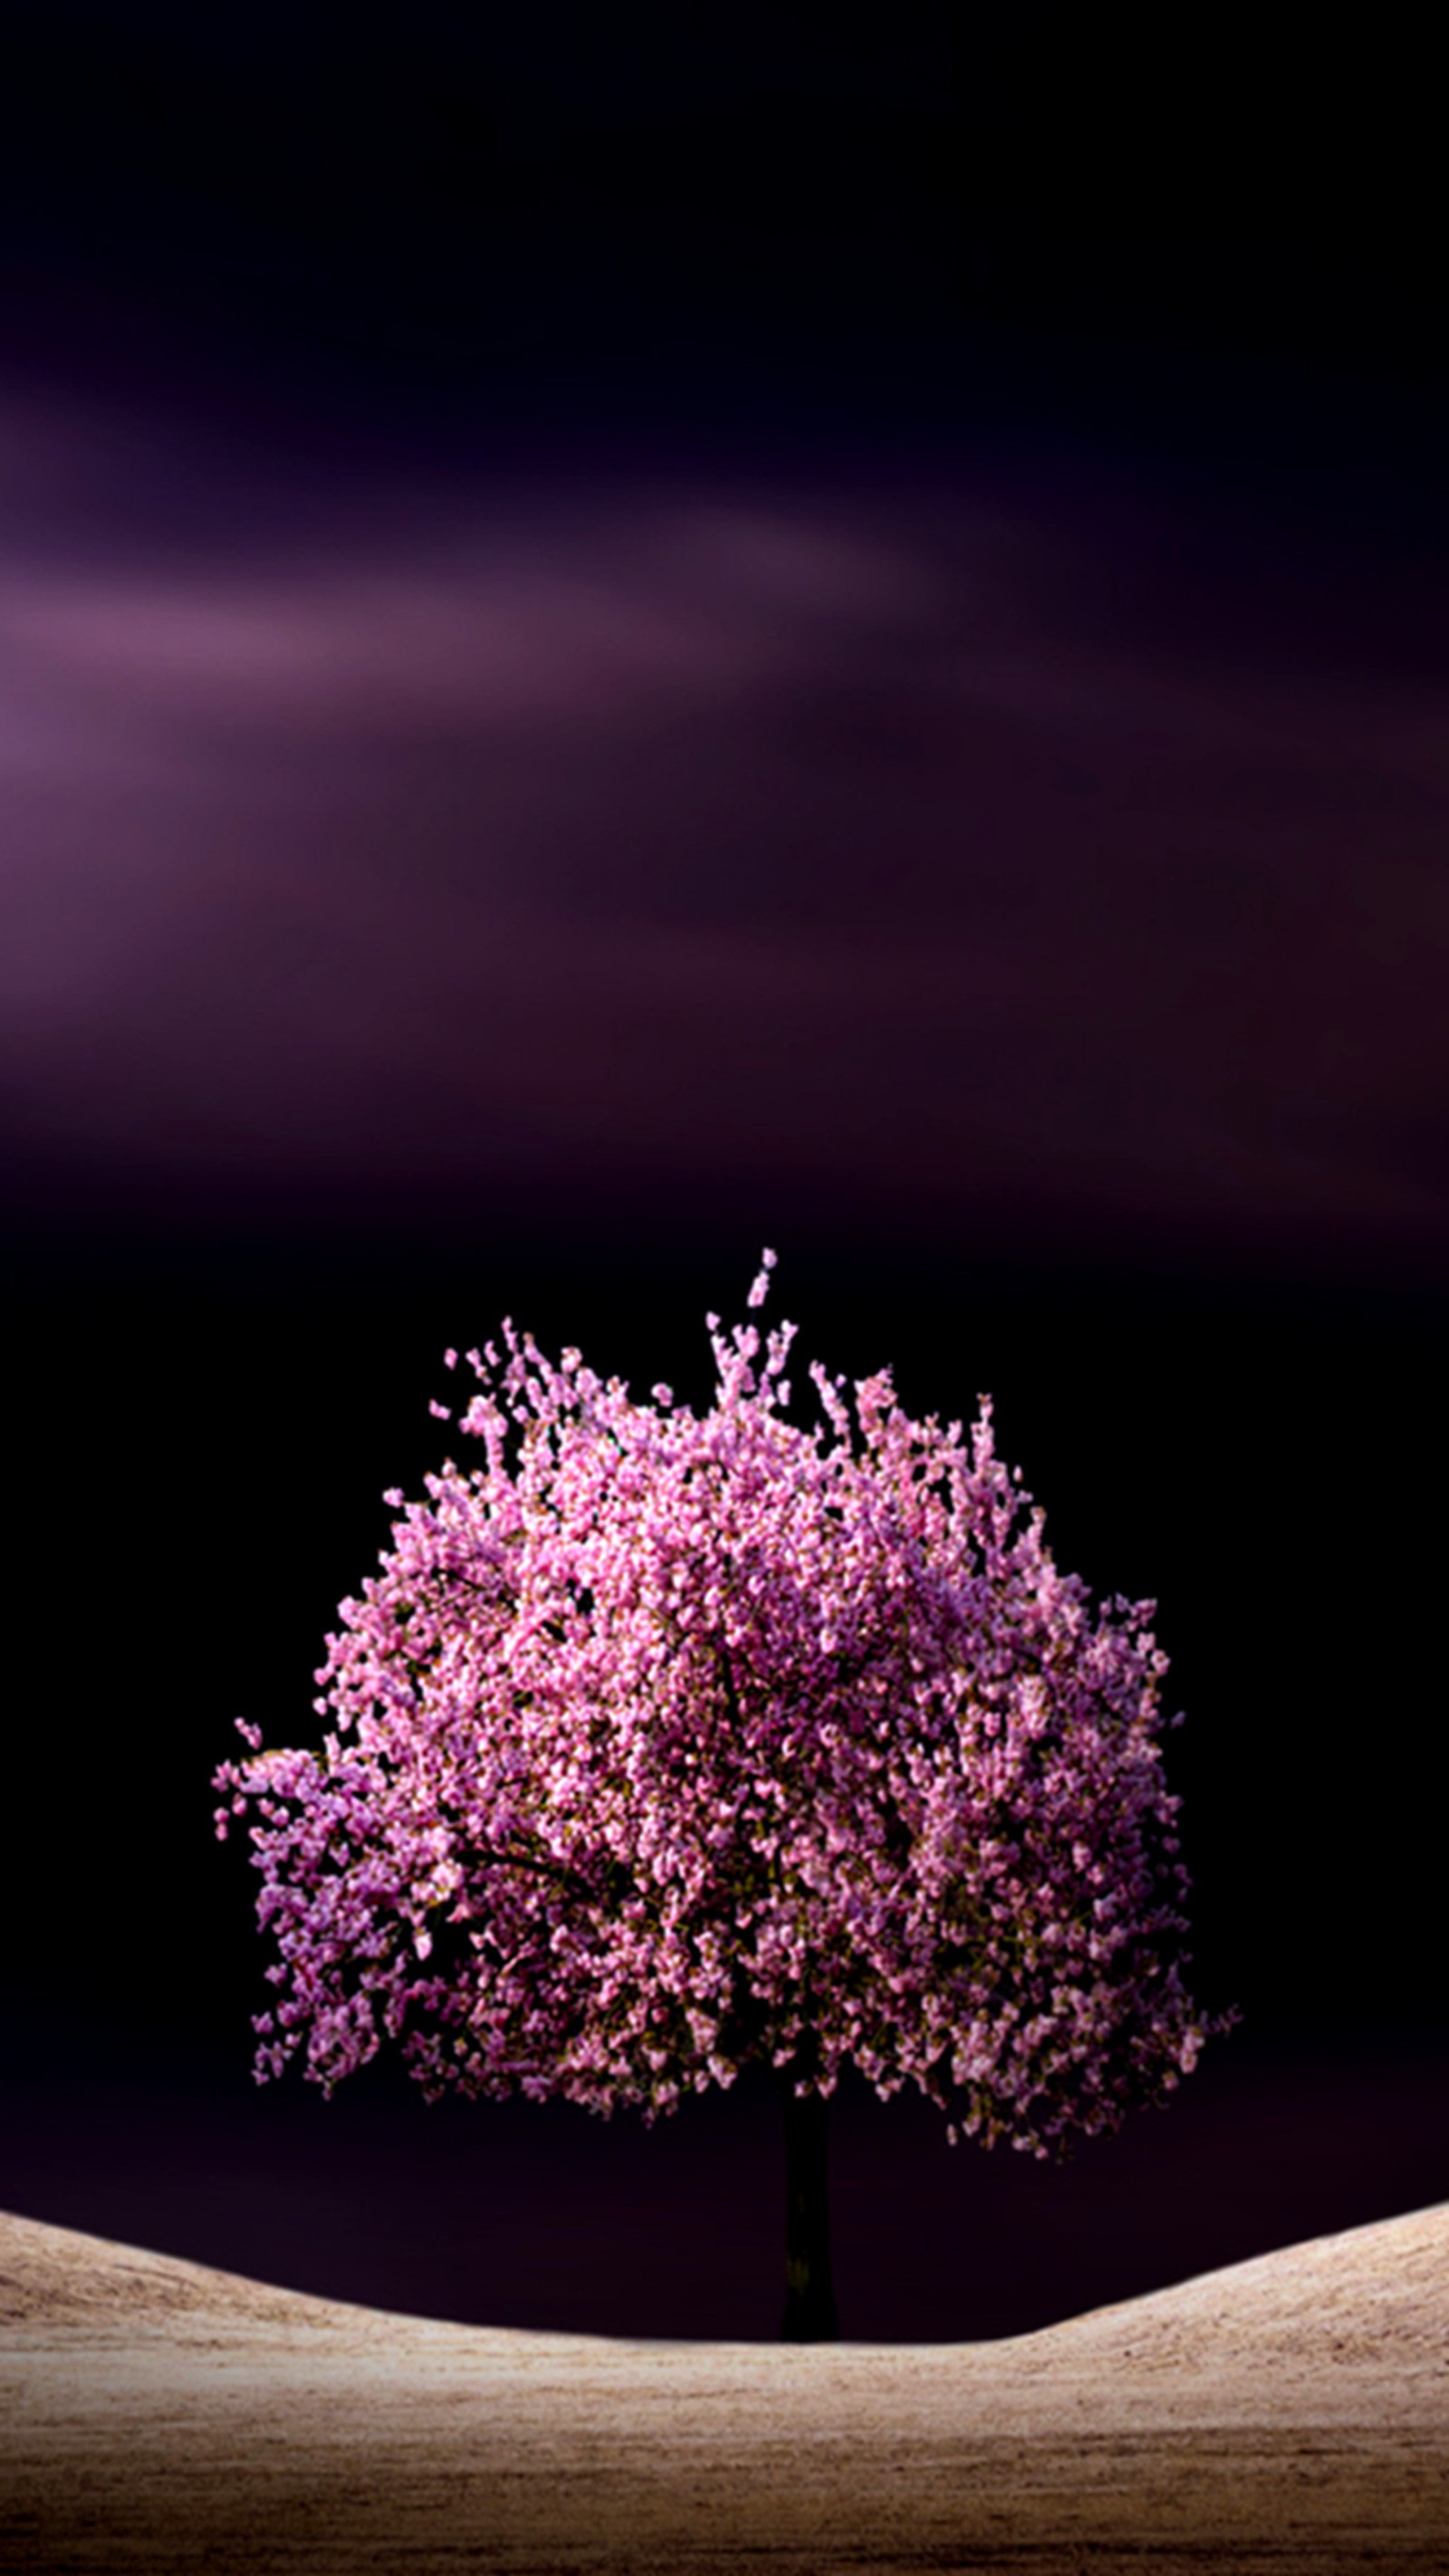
point(810, 2315)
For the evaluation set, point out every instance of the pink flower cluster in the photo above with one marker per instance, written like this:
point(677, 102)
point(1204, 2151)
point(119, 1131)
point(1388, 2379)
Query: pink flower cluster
point(663, 1743)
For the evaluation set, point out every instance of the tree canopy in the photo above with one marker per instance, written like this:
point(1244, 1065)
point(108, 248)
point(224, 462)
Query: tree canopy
point(665, 1742)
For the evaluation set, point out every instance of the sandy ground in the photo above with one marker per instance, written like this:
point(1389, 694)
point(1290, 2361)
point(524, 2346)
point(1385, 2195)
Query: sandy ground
point(1288, 2414)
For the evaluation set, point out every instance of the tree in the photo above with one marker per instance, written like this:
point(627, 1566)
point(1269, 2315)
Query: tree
point(666, 1743)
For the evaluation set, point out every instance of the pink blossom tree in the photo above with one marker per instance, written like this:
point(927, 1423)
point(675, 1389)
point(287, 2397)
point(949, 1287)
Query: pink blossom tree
point(667, 1743)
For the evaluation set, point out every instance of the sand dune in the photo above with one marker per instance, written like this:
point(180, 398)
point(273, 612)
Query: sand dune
point(1289, 2413)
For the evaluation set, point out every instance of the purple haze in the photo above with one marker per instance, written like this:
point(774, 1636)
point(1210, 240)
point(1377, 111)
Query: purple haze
point(1032, 851)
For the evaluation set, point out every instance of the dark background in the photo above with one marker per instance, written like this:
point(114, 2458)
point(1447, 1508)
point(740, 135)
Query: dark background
point(623, 639)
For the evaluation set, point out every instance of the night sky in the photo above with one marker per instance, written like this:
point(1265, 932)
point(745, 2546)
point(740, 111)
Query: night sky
point(633, 636)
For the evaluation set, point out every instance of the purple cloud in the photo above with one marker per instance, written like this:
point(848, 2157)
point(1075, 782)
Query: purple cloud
point(973, 850)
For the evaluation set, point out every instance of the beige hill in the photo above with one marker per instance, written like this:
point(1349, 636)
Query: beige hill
point(1291, 2412)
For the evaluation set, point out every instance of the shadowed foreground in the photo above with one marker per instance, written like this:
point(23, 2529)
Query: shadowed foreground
point(1289, 2413)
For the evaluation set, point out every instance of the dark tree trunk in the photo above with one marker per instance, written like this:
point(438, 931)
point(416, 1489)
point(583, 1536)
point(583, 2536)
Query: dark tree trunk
point(810, 2315)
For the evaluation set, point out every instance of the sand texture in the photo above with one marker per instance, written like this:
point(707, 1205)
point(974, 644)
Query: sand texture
point(1287, 2414)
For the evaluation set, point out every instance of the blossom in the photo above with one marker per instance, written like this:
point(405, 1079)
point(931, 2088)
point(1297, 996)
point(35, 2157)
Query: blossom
point(668, 1742)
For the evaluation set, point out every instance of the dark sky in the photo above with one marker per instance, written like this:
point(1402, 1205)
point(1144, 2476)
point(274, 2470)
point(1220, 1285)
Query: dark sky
point(628, 636)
